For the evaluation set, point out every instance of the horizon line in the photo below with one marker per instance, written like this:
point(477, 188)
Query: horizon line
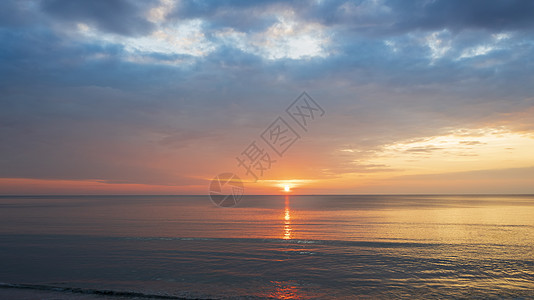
point(286, 194)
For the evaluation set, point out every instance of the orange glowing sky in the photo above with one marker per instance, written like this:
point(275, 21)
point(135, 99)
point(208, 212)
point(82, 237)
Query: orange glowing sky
point(161, 98)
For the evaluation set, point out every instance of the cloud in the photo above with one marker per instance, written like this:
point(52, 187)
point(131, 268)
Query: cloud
point(508, 180)
point(460, 15)
point(398, 17)
point(162, 91)
point(241, 15)
point(16, 14)
point(117, 16)
point(471, 143)
point(423, 150)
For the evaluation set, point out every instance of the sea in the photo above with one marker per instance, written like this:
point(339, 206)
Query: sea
point(268, 247)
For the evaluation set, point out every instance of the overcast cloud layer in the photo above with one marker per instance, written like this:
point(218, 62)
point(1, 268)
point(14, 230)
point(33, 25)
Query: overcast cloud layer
point(168, 93)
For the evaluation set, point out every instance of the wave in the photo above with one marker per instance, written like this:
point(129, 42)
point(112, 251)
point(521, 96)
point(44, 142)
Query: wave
point(358, 243)
point(108, 293)
point(376, 243)
point(373, 244)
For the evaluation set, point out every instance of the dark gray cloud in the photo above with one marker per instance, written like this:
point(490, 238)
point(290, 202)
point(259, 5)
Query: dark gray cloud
point(117, 16)
point(16, 13)
point(496, 15)
point(242, 15)
point(367, 17)
point(397, 17)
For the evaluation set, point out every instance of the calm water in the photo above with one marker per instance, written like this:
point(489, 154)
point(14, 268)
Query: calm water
point(290, 247)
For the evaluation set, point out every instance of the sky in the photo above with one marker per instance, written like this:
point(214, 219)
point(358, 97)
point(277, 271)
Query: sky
point(159, 97)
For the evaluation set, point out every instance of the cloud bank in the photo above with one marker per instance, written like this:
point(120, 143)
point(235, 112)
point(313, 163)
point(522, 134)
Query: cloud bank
point(167, 93)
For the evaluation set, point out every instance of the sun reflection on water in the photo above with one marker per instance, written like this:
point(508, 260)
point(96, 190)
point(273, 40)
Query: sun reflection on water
point(284, 290)
point(287, 220)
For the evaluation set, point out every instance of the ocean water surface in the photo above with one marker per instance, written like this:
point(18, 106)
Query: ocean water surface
point(279, 247)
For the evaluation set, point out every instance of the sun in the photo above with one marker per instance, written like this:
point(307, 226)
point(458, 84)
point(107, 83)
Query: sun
point(287, 188)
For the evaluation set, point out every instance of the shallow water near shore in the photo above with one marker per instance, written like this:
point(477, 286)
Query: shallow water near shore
point(292, 247)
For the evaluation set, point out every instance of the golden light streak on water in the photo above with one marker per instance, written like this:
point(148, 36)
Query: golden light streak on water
point(287, 220)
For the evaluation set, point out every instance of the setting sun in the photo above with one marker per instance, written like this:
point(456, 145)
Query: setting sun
point(287, 188)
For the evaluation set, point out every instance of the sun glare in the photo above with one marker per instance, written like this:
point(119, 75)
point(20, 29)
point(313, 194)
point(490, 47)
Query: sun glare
point(287, 188)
